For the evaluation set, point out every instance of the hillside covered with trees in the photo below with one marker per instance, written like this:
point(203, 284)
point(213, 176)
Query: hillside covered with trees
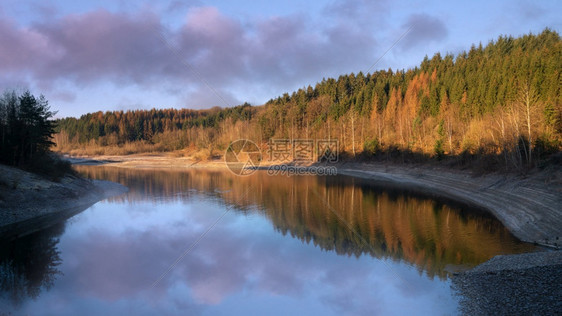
point(501, 100)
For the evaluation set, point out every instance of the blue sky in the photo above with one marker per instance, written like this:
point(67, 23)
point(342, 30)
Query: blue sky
point(86, 56)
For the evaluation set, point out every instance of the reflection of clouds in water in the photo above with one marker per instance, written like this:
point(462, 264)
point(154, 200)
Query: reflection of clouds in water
point(110, 267)
point(371, 287)
point(115, 262)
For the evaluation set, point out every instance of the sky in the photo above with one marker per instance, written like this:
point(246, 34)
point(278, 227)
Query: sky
point(88, 56)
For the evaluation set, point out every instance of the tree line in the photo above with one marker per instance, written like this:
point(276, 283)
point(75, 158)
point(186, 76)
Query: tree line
point(501, 99)
point(26, 128)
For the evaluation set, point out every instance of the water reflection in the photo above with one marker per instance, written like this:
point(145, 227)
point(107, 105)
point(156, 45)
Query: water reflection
point(109, 255)
point(342, 214)
point(29, 264)
point(241, 267)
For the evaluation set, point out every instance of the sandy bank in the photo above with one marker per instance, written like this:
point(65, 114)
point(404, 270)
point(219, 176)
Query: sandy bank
point(29, 202)
point(147, 161)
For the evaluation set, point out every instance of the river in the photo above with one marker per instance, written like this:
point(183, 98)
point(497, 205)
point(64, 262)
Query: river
point(208, 242)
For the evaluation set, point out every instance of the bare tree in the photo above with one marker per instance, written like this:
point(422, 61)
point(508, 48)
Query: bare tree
point(528, 101)
point(352, 119)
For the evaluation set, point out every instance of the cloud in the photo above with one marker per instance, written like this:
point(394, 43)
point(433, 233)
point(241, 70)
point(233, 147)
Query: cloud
point(365, 10)
point(21, 47)
point(207, 49)
point(202, 94)
point(96, 46)
point(101, 45)
point(213, 45)
point(529, 10)
point(63, 95)
point(178, 6)
point(425, 29)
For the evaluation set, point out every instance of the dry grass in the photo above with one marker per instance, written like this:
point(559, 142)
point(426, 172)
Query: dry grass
point(135, 148)
point(118, 150)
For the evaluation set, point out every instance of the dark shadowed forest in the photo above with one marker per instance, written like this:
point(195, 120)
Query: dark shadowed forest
point(26, 133)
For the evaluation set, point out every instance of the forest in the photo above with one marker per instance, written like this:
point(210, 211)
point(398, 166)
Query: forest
point(500, 101)
point(26, 135)
point(25, 128)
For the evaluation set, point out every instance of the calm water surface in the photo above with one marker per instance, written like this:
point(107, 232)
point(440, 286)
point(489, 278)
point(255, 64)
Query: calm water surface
point(205, 242)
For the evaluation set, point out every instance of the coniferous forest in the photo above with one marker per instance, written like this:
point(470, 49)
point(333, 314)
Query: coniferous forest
point(26, 129)
point(500, 100)
point(26, 135)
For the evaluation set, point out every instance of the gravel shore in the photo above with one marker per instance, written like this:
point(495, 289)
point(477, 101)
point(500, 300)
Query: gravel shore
point(29, 202)
point(525, 284)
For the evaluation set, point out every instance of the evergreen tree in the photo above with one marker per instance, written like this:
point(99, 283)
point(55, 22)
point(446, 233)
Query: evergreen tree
point(26, 128)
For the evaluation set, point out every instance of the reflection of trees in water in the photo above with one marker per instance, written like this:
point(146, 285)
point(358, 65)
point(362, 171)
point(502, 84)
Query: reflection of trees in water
point(29, 264)
point(386, 224)
point(148, 185)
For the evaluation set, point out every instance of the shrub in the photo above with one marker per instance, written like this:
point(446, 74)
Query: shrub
point(50, 166)
point(371, 146)
point(438, 149)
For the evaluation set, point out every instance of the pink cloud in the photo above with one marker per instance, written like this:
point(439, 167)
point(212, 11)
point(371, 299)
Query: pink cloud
point(127, 48)
point(102, 44)
point(21, 47)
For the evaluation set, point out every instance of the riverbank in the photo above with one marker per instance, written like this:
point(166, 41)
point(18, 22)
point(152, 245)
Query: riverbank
point(29, 202)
